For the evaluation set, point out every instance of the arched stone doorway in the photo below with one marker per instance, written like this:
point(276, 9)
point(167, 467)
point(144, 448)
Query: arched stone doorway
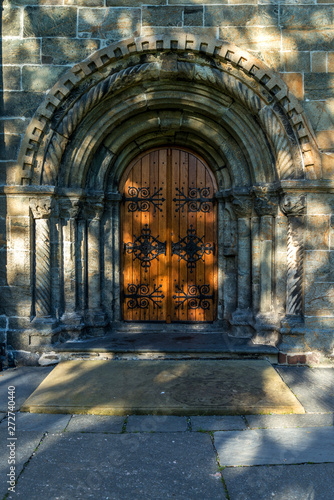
point(223, 105)
point(169, 238)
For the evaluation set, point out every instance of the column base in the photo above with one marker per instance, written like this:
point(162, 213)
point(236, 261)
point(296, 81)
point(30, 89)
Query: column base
point(242, 324)
point(292, 333)
point(72, 319)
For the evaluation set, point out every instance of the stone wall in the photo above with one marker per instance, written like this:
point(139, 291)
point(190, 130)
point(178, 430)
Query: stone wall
point(42, 39)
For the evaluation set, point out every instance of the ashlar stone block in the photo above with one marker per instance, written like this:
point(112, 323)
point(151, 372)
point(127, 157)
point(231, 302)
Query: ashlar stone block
point(11, 145)
point(49, 21)
point(11, 78)
point(319, 86)
point(21, 103)
point(26, 51)
point(241, 15)
point(11, 21)
point(306, 16)
point(39, 78)
point(66, 50)
point(111, 24)
point(308, 39)
point(251, 38)
point(162, 16)
point(317, 232)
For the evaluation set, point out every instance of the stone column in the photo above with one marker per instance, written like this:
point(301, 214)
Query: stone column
point(242, 317)
point(267, 320)
point(69, 210)
point(95, 317)
point(293, 206)
point(41, 211)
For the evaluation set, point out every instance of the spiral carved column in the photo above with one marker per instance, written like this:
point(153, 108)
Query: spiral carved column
point(41, 211)
point(293, 206)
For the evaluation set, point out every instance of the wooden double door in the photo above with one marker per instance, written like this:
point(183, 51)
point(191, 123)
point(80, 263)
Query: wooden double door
point(169, 238)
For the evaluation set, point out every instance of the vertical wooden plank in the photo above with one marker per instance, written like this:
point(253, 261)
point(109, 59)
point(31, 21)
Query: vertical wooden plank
point(202, 231)
point(127, 236)
point(192, 222)
point(145, 218)
point(162, 269)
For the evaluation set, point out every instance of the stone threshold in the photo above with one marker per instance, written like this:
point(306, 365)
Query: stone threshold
point(166, 346)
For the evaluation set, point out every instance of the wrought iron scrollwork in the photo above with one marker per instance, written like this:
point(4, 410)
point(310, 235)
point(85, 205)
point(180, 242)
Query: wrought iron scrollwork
point(198, 199)
point(197, 296)
point(140, 199)
point(191, 248)
point(146, 247)
point(140, 296)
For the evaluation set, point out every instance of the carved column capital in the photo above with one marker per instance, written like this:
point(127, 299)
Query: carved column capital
point(41, 207)
point(293, 205)
point(242, 206)
point(94, 210)
point(265, 203)
point(69, 208)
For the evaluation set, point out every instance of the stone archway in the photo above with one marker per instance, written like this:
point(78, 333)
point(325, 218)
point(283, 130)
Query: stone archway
point(207, 95)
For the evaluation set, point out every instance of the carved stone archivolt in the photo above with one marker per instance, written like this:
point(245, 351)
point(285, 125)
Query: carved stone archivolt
point(249, 83)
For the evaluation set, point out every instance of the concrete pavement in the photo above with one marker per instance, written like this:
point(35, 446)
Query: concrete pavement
point(252, 457)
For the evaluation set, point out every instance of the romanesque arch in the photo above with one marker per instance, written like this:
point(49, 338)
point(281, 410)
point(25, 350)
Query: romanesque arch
point(203, 94)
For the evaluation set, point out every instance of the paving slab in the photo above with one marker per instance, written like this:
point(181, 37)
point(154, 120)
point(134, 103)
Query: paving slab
point(2, 415)
point(281, 421)
point(95, 423)
point(25, 445)
point(228, 423)
point(292, 482)
point(156, 423)
point(275, 446)
point(123, 466)
point(42, 422)
point(25, 379)
point(192, 387)
point(314, 387)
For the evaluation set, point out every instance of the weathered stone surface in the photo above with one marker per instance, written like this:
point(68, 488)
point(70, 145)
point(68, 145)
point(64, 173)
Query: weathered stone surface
point(296, 61)
point(21, 103)
point(313, 387)
point(11, 22)
point(285, 421)
point(272, 58)
point(18, 51)
point(14, 126)
point(252, 38)
point(228, 423)
point(95, 423)
point(321, 115)
point(325, 139)
point(295, 482)
point(327, 167)
point(295, 83)
point(49, 21)
point(162, 16)
point(318, 265)
point(305, 16)
point(11, 145)
point(11, 78)
point(275, 446)
point(317, 232)
point(307, 39)
point(25, 379)
point(156, 423)
point(330, 62)
point(319, 299)
point(135, 3)
point(111, 24)
point(35, 2)
point(319, 86)
point(318, 62)
point(67, 51)
point(29, 441)
point(241, 15)
point(85, 3)
point(39, 78)
point(186, 468)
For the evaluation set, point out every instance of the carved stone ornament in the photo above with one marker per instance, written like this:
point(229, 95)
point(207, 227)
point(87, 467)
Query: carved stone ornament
point(293, 205)
point(69, 208)
point(264, 203)
point(41, 207)
point(94, 210)
point(242, 206)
